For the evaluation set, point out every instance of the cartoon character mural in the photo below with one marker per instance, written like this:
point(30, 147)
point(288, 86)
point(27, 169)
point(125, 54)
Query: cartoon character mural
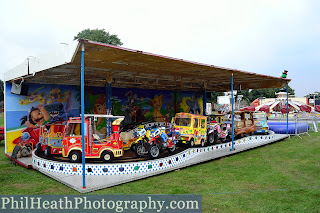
point(57, 96)
point(49, 109)
point(133, 112)
point(99, 107)
point(58, 111)
point(194, 106)
point(36, 117)
point(95, 103)
point(139, 105)
point(190, 102)
point(44, 104)
point(156, 103)
point(34, 96)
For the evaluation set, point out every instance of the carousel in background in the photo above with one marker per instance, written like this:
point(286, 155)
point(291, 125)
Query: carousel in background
point(278, 105)
point(301, 118)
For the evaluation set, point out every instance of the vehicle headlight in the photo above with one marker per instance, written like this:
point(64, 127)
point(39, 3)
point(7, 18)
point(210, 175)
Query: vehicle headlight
point(25, 136)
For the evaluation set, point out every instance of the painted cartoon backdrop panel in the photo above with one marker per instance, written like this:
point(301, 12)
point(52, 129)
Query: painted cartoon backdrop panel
point(191, 102)
point(56, 103)
point(95, 103)
point(44, 104)
point(137, 105)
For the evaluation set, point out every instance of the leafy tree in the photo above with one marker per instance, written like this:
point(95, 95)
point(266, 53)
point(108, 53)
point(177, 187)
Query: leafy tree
point(267, 93)
point(246, 95)
point(214, 95)
point(99, 36)
point(251, 95)
point(315, 94)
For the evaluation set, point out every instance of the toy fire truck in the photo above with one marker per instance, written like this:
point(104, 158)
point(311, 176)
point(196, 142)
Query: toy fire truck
point(96, 146)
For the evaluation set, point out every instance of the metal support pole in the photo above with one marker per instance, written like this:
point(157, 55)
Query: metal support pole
point(204, 102)
point(5, 117)
point(108, 107)
point(287, 109)
point(82, 118)
point(232, 114)
point(176, 109)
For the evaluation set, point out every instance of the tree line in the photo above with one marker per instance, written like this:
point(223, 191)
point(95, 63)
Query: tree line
point(250, 95)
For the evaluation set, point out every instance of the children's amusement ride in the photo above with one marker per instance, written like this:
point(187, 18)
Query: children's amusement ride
point(153, 142)
point(218, 128)
point(50, 139)
point(186, 130)
point(260, 119)
point(136, 114)
point(244, 123)
point(192, 129)
point(95, 147)
point(153, 148)
point(66, 139)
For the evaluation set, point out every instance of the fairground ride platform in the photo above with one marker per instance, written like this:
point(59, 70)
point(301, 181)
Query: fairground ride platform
point(25, 161)
point(103, 175)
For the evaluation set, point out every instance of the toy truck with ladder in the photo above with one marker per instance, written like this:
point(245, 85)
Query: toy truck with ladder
point(105, 148)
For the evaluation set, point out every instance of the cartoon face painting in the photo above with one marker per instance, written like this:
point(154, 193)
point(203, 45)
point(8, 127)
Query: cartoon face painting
point(156, 103)
point(99, 106)
point(37, 116)
point(57, 96)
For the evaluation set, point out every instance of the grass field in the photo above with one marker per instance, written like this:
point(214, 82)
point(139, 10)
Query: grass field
point(1, 119)
point(280, 177)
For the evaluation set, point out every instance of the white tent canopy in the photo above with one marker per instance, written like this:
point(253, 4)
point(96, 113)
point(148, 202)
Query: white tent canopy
point(63, 54)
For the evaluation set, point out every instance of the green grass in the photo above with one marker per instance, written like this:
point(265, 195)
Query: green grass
point(1, 119)
point(280, 177)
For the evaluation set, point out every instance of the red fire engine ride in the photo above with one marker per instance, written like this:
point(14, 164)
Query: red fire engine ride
point(105, 148)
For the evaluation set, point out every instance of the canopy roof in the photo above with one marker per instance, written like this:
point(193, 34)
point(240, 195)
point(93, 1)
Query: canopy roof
point(124, 67)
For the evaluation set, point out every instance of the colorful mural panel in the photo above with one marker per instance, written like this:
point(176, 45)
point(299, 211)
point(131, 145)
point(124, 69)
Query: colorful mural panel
point(56, 103)
point(137, 105)
point(44, 104)
point(95, 103)
point(190, 102)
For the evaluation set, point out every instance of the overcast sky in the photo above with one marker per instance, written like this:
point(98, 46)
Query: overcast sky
point(261, 36)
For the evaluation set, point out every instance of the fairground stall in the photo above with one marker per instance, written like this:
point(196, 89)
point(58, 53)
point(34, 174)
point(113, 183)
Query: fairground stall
point(103, 93)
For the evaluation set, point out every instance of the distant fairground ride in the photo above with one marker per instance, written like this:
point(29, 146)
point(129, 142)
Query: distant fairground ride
point(279, 105)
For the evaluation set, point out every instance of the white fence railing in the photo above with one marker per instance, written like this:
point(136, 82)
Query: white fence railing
point(299, 123)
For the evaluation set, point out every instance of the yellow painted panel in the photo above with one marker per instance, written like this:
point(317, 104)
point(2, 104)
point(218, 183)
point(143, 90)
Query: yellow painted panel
point(11, 136)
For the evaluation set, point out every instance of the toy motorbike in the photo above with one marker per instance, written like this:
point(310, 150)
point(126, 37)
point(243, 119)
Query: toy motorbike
point(218, 131)
point(154, 142)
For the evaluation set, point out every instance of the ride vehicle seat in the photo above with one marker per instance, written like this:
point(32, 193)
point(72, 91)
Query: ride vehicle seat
point(96, 138)
point(126, 136)
point(239, 124)
point(224, 127)
point(248, 123)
